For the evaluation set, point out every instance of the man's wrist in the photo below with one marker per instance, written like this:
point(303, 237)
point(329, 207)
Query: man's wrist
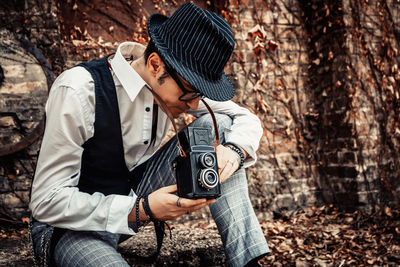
point(147, 210)
point(142, 215)
point(238, 158)
point(239, 152)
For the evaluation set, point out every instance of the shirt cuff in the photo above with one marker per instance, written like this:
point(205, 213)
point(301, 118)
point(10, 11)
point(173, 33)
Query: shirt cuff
point(120, 208)
point(251, 153)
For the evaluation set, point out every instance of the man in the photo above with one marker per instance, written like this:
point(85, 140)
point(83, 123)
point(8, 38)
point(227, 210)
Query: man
point(101, 147)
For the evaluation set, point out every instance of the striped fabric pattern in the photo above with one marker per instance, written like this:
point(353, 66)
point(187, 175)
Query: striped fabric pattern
point(197, 44)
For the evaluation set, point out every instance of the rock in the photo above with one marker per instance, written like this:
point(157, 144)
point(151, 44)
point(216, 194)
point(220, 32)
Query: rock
point(193, 246)
point(23, 93)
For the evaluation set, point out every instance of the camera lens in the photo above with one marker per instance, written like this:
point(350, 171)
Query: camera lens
point(208, 178)
point(207, 160)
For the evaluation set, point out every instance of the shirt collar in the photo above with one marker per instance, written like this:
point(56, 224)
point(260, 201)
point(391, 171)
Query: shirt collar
point(129, 78)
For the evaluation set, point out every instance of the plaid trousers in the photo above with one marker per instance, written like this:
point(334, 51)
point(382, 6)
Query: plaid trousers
point(233, 214)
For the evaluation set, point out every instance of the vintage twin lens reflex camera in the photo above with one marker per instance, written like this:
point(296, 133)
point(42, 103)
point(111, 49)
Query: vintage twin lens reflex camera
point(197, 173)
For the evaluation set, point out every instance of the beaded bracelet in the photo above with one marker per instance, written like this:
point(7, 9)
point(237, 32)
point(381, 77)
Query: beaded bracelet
point(137, 212)
point(237, 150)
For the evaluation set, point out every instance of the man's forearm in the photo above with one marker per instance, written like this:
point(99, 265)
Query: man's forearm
point(142, 215)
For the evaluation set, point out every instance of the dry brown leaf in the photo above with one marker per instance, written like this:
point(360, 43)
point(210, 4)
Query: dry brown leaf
point(272, 45)
point(388, 211)
point(257, 31)
point(284, 248)
point(12, 176)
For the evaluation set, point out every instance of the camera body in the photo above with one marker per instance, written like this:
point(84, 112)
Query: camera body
point(197, 173)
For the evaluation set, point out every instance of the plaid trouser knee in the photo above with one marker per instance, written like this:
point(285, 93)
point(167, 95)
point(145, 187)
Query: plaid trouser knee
point(88, 248)
point(237, 223)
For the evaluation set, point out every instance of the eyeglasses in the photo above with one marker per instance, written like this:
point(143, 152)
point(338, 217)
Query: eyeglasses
point(187, 95)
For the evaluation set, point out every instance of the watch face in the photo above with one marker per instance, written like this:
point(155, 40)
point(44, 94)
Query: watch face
point(23, 95)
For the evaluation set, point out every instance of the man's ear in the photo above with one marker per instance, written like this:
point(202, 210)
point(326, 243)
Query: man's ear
point(155, 65)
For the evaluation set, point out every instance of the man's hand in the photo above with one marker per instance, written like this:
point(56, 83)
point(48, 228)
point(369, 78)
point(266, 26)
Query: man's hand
point(163, 204)
point(228, 162)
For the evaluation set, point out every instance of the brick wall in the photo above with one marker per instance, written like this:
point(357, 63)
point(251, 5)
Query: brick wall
point(323, 103)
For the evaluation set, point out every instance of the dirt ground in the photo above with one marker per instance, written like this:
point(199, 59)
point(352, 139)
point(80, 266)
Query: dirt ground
point(321, 236)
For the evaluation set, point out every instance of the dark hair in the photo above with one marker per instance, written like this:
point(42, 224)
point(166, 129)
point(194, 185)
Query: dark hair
point(149, 49)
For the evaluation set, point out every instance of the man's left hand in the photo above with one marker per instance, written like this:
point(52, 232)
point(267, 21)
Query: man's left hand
point(228, 162)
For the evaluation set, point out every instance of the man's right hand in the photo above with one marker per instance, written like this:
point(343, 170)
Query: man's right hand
point(163, 204)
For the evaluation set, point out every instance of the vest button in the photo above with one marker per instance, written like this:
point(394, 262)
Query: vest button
point(146, 142)
point(148, 109)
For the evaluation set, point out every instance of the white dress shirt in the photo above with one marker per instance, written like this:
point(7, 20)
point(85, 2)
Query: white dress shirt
point(70, 117)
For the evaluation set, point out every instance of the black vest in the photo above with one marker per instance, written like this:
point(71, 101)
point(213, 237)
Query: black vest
point(103, 166)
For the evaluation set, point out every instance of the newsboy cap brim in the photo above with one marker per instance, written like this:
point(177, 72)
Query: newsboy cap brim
point(218, 88)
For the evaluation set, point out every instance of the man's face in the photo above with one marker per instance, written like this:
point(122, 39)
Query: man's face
point(170, 92)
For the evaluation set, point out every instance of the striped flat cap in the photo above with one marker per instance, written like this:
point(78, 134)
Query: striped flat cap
point(197, 44)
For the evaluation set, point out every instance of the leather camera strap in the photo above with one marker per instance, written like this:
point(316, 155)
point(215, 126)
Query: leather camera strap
point(169, 114)
point(214, 122)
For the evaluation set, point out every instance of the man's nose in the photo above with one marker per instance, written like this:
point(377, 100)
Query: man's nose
point(194, 104)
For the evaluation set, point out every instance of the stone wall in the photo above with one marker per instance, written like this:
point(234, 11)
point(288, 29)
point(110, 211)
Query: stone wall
point(322, 76)
point(28, 37)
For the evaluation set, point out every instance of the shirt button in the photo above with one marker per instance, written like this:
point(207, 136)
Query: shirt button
point(146, 142)
point(148, 109)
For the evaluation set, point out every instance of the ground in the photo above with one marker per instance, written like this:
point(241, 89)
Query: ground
point(321, 236)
